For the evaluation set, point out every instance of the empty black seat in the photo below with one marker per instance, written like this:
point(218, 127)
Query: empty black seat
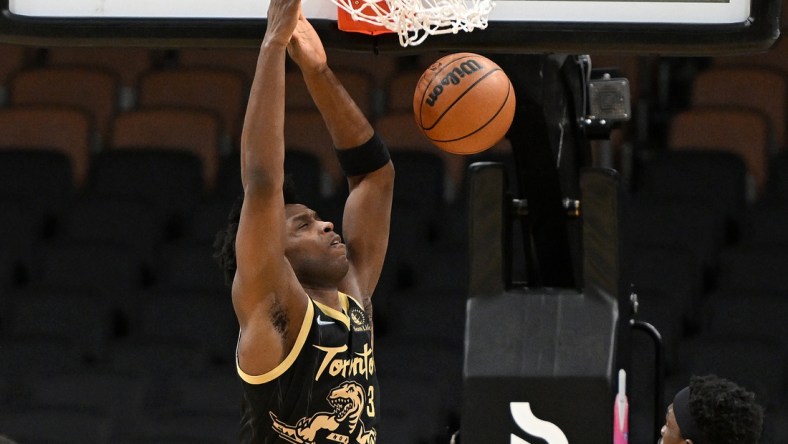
point(190, 267)
point(109, 272)
point(80, 319)
point(118, 395)
point(135, 225)
point(61, 425)
point(206, 221)
point(714, 178)
point(23, 358)
point(735, 359)
point(39, 179)
point(203, 321)
point(732, 313)
point(777, 185)
point(420, 180)
point(171, 180)
point(766, 224)
point(687, 223)
point(754, 267)
point(20, 228)
point(668, 303)
point(155, 359)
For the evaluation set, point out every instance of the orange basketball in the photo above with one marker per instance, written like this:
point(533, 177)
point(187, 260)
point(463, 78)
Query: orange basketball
point(464, 103)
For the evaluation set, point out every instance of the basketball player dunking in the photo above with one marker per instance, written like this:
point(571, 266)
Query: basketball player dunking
point(302, 296)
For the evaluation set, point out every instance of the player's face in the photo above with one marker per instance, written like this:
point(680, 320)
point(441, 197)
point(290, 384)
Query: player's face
point(315, 251)
point(670, 431)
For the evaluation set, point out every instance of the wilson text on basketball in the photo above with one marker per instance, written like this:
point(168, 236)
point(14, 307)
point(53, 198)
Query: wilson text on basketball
point(454, 77)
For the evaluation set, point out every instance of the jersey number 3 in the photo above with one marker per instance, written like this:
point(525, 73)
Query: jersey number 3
point(371, 401)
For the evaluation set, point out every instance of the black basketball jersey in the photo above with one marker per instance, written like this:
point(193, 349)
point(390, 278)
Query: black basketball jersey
point(326, 389)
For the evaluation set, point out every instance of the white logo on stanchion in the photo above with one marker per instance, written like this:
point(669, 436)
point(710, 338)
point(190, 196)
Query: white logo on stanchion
point(525, 419)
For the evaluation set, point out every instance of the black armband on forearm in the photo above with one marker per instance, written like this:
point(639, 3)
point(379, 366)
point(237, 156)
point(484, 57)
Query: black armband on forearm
point(365, 158)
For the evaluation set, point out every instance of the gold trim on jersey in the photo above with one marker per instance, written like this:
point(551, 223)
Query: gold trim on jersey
point(291, 357)
point(349, 297)
point(337, 315)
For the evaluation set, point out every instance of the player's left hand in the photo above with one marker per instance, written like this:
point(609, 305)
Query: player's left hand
point(305, 47)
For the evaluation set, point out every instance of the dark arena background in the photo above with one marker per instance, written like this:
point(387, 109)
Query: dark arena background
point(633, 218)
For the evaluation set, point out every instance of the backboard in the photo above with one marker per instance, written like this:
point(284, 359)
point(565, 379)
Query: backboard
point(680, 27)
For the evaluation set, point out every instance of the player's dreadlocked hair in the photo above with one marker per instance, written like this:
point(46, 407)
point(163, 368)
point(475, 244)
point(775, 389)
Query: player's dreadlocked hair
point(224, 244)
point(727, 413)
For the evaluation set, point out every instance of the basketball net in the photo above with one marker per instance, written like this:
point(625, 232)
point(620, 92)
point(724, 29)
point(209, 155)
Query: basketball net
point(414, 20)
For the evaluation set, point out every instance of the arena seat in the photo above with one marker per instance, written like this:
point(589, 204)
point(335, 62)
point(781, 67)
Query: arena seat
point(425, 419)
point(297, 96)
point(189, 267)
point(219, 91)
point(379, 67)
point(399, 131)
point(735, 359)
point(184, 317)
point(187, 426)
point(120, 396)
point(777, 185)
point(93, 90)
point(205, 222)
point(306, 131)
point(420, 180)
point(216, 391)
point(241, 60)
point(743, 132)
point(359, 86)
point(155, 360)
point(127, 63)
point(690, 224)
point(713, 179)
point(775, 426)
point(737, 313)
point(400, 89)
point(398, 424)
point(305, 169)
point(135, 225)
point(12, 59)
point(754, 267)
point(761, 89)
point(171, 180)
point(40, 180)
point(438, 363)
point(189, 130)
point(668, 303)
point(49, 127)
point(228, 179)
point(8, 275)
point(765, 224)
point(439, 319)
point(79, 318)
point(39, 425)
point(24, 358)
point(20, 227)
point(107, 271)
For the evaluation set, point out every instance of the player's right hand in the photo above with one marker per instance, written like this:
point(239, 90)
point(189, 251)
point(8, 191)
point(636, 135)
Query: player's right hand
point(282, 20)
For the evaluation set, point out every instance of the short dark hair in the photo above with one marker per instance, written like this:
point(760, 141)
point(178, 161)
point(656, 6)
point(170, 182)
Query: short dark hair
point(224, 244)
point(727, 413)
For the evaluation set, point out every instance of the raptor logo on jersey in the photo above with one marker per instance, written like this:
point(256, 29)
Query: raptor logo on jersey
point(343, 425)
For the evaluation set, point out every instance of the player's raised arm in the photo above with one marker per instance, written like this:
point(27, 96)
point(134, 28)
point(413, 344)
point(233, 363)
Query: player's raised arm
point(363, 157)
point(265, 285)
